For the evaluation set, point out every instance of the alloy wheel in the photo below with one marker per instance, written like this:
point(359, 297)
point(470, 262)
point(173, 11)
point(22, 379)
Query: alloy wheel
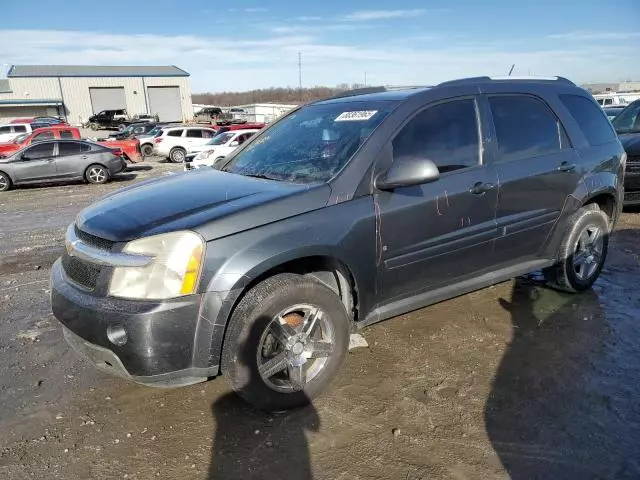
point(588, 254)
point(97, 175)
point(295, 348)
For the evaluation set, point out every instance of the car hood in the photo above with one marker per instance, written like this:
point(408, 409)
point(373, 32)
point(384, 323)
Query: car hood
point(631, 143)
point(222, 202)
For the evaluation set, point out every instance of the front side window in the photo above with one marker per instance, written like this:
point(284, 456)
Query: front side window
point(312, 144)
point(629, 119)
point(19, 128)
point(608, 101)
point(42, 136)
point(525, 127)
point(69, 148)
point(208, 134)
point(446, 134)
point(590, 118)
point(37, 152)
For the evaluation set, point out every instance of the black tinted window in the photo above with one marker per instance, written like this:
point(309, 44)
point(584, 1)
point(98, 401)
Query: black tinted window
point(525, 127)
point(20, 128)
point(69, 148)
point(66, 134)
point(447, 134)
point(590, 118)
point(43, 150)
point(174, 133)
point(194, 133)
point(6, 129)
point(629, 119)
point(42, 136)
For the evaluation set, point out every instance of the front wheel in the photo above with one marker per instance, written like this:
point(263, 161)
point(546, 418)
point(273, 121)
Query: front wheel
point(583, 251)
point(96, 174)
point(285, 342)
point(177, 155)
point(93, 126)
point(5, 182)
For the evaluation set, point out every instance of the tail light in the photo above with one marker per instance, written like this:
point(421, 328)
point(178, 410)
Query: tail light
point(117, 153)
point(157, 140)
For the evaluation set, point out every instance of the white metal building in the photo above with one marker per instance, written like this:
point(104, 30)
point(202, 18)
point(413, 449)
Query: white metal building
point(264, 112)
point(77, 92)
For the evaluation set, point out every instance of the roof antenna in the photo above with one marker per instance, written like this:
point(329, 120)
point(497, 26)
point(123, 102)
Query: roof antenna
point(511, 69)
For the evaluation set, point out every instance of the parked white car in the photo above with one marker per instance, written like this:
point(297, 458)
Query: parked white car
point(11, 131)
point(175, 142)
point(218, 148)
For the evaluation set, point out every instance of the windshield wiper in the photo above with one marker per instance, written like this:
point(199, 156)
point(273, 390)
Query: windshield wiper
point(259, 175)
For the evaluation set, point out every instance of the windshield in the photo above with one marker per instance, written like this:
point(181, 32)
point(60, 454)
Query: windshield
point(20, 138)
point(629, 119)
point(221, 139)
point(311, 145)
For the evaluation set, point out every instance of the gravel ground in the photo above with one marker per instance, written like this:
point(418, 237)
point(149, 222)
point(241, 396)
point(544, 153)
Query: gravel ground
point(512, 381)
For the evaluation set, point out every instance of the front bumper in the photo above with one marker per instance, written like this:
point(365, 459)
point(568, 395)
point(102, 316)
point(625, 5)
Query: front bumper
point(161, 336)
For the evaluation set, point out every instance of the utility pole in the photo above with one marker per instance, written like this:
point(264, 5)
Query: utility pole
point(300, 73)
point(511, 69)
point(365, 78)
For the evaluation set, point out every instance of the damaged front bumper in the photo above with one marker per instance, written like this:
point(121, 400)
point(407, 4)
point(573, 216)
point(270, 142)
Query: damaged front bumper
point(158, 343)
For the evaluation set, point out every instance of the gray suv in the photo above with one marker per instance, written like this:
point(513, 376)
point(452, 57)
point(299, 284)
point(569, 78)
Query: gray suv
point(343, 213)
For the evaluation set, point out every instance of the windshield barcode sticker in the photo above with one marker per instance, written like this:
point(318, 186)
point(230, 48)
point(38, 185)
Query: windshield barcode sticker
point(361, 116)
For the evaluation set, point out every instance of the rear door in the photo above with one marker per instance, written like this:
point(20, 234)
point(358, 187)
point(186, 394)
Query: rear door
point(71, 159)
point(537, 168)
point(36, 163)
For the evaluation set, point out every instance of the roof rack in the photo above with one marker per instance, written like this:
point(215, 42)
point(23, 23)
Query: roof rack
point(466, 81)
point(368, 90)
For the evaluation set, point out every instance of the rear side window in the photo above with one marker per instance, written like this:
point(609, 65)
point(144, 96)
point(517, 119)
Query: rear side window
point(194, 133)
point(590, 118)
point(20, 129)
point(447, 134)
point(525, 127)
point(72, 148)
point(66, 134)
point(175, 133)
point(43, 136)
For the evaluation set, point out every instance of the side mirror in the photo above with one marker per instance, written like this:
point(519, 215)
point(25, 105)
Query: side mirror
point(406, 172)
point(234, 143)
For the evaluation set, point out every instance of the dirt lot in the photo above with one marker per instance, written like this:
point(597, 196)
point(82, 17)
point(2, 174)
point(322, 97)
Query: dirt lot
point(512, 381)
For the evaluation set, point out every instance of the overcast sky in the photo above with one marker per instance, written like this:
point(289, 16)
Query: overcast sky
point(244, 44)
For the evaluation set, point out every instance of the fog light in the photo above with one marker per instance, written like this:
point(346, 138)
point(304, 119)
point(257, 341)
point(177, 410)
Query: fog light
point(117, 335)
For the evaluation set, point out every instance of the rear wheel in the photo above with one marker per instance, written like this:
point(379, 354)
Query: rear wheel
point(5, 182)
point(96, 174)
point(285, 342)
point(93, 126)
point(146, 150)
point(582, 252)
point(177, 155)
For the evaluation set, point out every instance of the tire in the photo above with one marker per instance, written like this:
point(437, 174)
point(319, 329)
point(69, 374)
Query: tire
point(583, 251)
point(96, 174)
point(177, 155)
point(93, 126)
point(146, 150)
point(121, 127)
point(5, 182)
point(251, 334)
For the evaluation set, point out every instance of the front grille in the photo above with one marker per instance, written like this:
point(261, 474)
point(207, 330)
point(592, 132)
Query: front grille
point(81, 272)
point(92, 240)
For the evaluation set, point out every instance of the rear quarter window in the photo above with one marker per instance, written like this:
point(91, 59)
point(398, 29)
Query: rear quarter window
point(590, 118)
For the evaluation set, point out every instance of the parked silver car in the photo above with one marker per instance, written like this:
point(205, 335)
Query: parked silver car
point(60, 160)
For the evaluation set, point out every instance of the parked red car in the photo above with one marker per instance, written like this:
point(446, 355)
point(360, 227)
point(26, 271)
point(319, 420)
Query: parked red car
point(41, 120)
point(130, 148)
point(237, 126)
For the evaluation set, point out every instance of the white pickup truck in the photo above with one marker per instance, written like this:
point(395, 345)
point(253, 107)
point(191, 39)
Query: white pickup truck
point(11, 131)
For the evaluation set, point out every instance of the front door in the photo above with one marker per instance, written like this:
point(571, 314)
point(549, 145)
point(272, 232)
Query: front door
point(36, 163)
point(538, 170)
point(434, 234)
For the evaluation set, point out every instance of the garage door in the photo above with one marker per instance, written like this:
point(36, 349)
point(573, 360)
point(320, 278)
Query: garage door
point(107, 99)
point(165, 102)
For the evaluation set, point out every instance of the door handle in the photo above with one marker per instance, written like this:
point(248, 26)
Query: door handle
point(480, 188)
point(83, 157)
point(567, 167)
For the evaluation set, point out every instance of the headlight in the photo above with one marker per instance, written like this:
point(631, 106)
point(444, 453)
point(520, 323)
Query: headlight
point(173, 272)
point(203, 155)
